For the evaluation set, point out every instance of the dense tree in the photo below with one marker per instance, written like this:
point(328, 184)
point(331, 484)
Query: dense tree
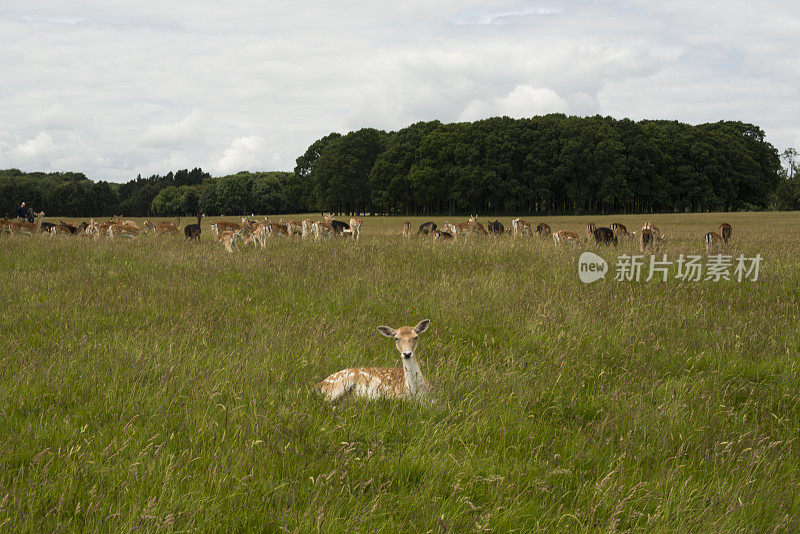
point(545, 164)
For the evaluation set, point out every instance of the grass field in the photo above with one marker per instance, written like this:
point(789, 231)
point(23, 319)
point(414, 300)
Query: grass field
point(157, 385)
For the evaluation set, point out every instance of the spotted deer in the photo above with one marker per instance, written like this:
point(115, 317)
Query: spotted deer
point(543, 229)
point(621, 231)
point(322, 230)
point(387, 382)
point(355, 227)
point(229, 238)
point(520, 227)
point(590, 228)
point(713, 240)
point(476, 226)
point(565, 236)
point(405, 230)
point(26, 228)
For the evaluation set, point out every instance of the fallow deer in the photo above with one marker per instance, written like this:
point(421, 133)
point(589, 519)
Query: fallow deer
point(565, 236)
point(476, 226)
point(26, 228)
point(355, 227)
point(192, 231)
point(439, 235)
point(621, 231)
point(543, 229)
point(322, 230)
point(496, 228)
point(405, 230)
point(725, 231)
point(229, 239)
point(376, 382)
point(714, 240)
point(604, 236)
point(521, 227)
point(220, 226)
point(294, 228)
point(307, 228)
point(590, 228)
point(424, 228)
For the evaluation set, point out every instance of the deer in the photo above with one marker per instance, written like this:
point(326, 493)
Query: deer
point(404, 382)
point(322, 230)
point(405, 230)
point(725, 231)
point(294, 228)
point(544, 231)
point(123, 230)
point(496, 228)
point(307, 228)
point(220, 226)
point(355, 227)
point(26, 228)
point(165, 227)
point(653, 228)
point(621, 231)
point(520, 227)
point(192, 231)
point(458, 229)
point(604, 236)
point(229, 239)
point(476, 226)
point(714, 240)
point(565, 236)
point(424, 228)
point(590, 228)
point(439, 235)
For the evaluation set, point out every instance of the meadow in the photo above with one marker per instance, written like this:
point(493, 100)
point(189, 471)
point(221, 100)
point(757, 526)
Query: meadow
point(159, 385)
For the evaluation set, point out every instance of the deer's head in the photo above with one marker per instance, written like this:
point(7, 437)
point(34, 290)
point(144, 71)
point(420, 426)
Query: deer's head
point(405, 337)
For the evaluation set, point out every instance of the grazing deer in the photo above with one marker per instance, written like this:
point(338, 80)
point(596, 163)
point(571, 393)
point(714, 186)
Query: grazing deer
point(604, 236)
point(322, 230)
point(229, 238)
point(458, 229)
point(340, 227)
point(543, 229)
point(26, 228)
point(565, 236)
point(355, 227)
point(405, 230)
point(521, 227)
point(725, 231)
point(424, 228)
point(123, 230)
point(294, 228)
point(496, 228)
point(192, 231)
point(443, 236)
point(376, 382)
point(714, 240)
point(166, 227)
point(621, 231)
point(307, 230)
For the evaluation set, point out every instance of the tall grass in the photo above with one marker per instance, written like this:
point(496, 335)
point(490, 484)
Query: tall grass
point(155, 385)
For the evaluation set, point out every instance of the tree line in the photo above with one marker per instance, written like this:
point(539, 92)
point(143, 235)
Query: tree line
point(552, 164)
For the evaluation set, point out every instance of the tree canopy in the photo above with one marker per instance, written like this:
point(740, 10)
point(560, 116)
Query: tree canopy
point(547, 164)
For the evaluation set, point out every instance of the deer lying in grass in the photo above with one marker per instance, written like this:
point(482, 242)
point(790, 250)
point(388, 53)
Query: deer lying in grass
point(123, 230)
point(565, 236)
point(165, 227)
point(439, 235)
point(376, 382)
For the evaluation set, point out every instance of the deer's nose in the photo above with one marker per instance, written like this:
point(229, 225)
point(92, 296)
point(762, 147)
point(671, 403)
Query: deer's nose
point(407, 355)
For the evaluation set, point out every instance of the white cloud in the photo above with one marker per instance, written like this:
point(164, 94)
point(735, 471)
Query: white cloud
point(524, 101)
point(38, 146)
point(243, 154)
point(144, 88)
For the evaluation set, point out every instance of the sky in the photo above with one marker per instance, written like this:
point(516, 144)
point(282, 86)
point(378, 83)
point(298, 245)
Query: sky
point(118, 89)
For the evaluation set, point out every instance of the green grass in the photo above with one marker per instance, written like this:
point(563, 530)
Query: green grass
point(156, 385)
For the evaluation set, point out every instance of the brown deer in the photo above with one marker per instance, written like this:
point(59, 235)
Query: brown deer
point(376, 382)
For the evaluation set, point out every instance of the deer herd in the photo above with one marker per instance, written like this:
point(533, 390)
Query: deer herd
point(231, 234)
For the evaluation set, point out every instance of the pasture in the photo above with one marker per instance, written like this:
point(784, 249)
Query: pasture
point(155, 385)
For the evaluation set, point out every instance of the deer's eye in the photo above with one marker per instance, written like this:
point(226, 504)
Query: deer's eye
point(415, 338)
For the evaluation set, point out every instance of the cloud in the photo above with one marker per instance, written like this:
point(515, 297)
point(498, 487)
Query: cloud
point(33, 148)
point(124, 89)
point(523, 101)
point(243, 154)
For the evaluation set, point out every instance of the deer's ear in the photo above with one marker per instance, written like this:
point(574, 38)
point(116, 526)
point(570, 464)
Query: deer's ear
point(422, 326)
point(387, 331)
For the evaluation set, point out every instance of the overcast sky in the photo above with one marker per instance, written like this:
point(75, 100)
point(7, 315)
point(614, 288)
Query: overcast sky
point(147, 87)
